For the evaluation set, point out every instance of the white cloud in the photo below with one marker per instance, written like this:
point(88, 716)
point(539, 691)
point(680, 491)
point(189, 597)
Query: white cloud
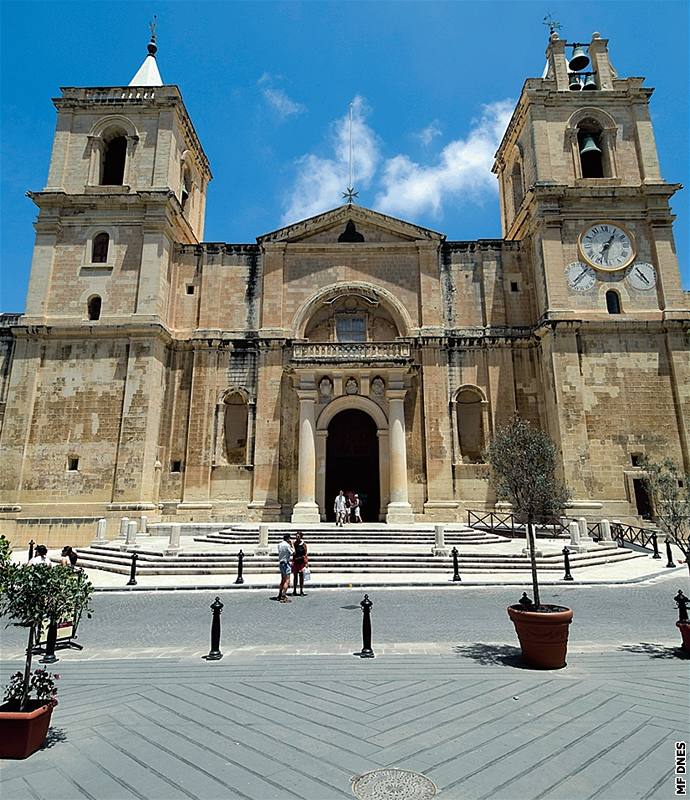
point(428, 134)
point(404, 187)
point(277, 98)
point(320, 181)
point(464, 165)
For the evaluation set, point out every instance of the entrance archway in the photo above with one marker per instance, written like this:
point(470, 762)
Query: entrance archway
point(352, 461)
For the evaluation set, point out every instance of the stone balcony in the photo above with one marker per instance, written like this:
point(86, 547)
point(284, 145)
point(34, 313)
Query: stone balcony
point(351, 351)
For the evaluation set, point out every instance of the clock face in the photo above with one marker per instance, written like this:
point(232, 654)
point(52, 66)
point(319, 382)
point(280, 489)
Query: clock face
point(607, 246)
point(581, 277)
point(641, 277)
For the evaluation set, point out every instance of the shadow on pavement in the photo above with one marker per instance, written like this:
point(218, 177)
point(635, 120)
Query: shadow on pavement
point(54, 736)
point(655, 650)
point(498, 654)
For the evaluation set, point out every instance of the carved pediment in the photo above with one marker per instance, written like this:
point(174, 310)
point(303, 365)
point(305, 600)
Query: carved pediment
point(351, 225)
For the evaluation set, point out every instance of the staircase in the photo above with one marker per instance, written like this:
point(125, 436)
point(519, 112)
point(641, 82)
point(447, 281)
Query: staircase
point(325, 559)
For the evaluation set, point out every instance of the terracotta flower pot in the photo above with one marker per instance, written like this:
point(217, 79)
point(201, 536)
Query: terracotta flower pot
point(684, 628)
point(23, 732)
point(543, 635)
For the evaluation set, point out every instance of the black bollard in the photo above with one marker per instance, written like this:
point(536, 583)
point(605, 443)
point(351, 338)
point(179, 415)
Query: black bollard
point(50, 657)
point(682, 603)
point(669, 555)
point(655, 545)
point(456, 572)
point(31, 550)
point(133, 571)
point(366, 605)
point(566, 562)
point(214, 653)
point(240, 567)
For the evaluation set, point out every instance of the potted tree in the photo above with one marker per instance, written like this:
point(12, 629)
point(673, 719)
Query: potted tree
point(523, 460)
point(30, 596)
point(669, 491)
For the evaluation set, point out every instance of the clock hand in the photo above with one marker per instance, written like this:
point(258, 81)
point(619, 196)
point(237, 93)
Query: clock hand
point(579, 277)
point(642, 275)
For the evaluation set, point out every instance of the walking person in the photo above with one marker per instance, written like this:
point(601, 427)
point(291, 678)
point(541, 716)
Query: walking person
point(340, 508)
point(284, 558)
point(299, 562)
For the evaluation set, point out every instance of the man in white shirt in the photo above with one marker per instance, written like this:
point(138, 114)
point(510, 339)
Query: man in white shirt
point(284, 558)
point(340, 508)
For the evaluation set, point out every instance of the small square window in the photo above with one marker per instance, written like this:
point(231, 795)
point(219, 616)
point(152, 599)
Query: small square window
point(351, 329)
point(514, 286)
point(636, 459)
point(175, 466)
point(73, 464)
point(190, 288)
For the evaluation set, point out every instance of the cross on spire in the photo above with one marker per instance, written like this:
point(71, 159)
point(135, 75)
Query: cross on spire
point(350, 194)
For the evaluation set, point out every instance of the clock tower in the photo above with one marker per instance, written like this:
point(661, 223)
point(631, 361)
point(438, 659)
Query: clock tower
point(581, 190)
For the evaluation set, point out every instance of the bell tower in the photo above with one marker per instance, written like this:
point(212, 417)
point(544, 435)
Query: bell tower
point(127, 180)
point(582, 191)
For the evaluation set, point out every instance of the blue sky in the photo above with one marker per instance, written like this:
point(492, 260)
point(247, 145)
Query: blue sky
point(268, 87)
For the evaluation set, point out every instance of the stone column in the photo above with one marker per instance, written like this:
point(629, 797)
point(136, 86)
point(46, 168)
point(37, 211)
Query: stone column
point(399, 508)
point(100, 533)
point(131, 539)
point(262, 548)
point(173, 547)
point(605, 527)
point(440, 548)
point(123, 528)
point(306, 510)
point(143, 524)
point(585, 538)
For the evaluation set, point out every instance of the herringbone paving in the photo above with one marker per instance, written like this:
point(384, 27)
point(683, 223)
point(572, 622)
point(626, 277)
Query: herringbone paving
point(467, 716)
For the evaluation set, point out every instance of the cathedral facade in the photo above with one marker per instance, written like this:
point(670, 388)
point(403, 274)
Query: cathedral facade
point(155, 373)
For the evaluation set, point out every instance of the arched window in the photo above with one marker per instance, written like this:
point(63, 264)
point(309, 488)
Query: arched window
point(186, 187)
point(613, 302)
point(94, 307)
point(517, 187)
point(113, 163)
point(99, 248)
point(470, 422)
point(589, 145)
point(235, 429)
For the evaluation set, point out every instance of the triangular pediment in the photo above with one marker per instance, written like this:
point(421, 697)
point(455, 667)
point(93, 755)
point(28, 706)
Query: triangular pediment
point(351, 224)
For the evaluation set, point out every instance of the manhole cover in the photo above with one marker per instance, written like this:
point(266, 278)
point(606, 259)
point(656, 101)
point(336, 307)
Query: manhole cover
point(393, 784)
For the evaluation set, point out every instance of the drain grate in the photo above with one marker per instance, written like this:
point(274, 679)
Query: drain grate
point(393, 784)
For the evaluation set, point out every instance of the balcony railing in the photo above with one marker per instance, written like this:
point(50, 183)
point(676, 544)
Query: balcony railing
point(351, 351)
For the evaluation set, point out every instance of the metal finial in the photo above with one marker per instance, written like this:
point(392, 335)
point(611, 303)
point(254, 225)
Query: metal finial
point(350, 194)
point(152, 46)
point(552, 24)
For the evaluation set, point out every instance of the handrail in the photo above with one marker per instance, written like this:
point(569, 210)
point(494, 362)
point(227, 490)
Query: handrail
point(631, 534)
point(506, 522)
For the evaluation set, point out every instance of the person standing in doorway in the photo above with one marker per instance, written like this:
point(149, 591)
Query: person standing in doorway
point(299, 562)
point(284, 558)
point(340, 508)
point(356, 509)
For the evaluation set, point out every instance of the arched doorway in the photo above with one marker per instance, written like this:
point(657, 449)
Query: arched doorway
point(352, 461)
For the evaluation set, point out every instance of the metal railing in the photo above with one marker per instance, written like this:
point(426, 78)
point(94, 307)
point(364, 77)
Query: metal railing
point(508, 524)
point(631, 534)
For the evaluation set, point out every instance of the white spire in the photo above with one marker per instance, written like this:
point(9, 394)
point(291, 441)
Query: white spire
point(148, 74)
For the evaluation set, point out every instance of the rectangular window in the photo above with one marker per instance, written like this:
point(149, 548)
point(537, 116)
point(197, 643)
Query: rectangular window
point(73, 464)
point(636, 459)
point(514, 286)
point(175, 466)
point(350, 329)
point(190, 288)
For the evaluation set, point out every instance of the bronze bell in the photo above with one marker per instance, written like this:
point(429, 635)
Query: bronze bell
point(589, 146)
point(590, 84)
point(575, 84)
point(579, 59)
